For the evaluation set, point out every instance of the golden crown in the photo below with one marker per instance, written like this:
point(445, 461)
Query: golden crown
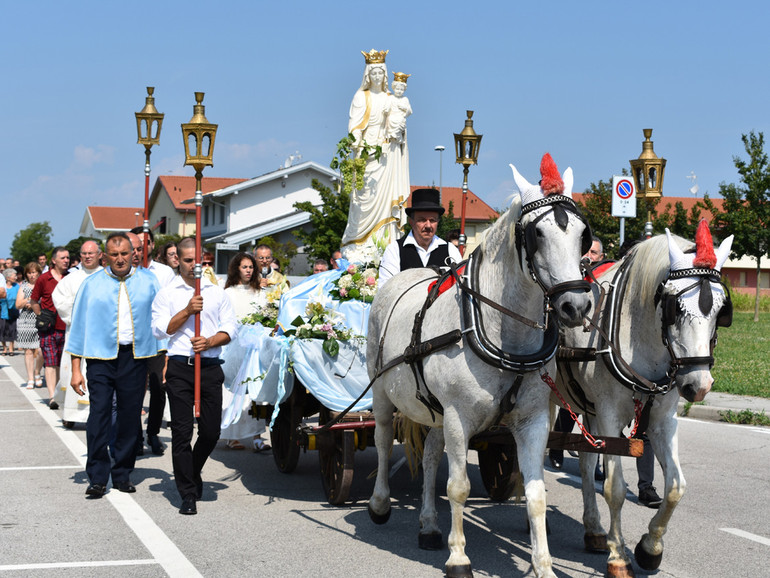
point(400, 77)
point(375, 56)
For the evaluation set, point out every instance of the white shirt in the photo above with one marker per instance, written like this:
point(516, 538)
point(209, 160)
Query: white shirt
point(217, 315)
point(63, 295)
point(390, 264)
point(164, 273)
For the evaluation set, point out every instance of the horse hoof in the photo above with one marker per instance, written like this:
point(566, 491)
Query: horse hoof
point(619, 570)
point(379, 518)
point(646, 560)
point(463, 571)
point(596, 542)
point(430, 541)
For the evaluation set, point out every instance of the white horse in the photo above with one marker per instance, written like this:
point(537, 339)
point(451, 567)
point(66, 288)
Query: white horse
point(533, 250)
point(660, 317)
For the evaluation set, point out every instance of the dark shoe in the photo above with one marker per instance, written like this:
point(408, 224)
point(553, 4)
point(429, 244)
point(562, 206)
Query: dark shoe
point(140, 449)
point(599, 474)
point(125, 487)
point(96, 491)
point(53, 405)
point(157, 446)
point(188, 506)
point(557, 459)
point(650, 498)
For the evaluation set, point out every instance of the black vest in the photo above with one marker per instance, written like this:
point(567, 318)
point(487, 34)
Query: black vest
point(410, 258)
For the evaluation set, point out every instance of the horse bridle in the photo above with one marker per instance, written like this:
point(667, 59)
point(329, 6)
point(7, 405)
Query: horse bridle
point(526, 238)
point(671, 308)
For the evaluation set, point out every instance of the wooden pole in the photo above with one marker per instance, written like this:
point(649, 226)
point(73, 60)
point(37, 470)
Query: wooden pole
point(146, 224)
point(198, 272)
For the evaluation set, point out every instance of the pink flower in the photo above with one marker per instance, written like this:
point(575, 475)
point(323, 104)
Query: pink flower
point(352, 269)
point(371, 281)
point(343, 292)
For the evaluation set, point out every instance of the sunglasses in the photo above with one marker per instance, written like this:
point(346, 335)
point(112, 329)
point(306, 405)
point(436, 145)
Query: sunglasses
point(207, 263)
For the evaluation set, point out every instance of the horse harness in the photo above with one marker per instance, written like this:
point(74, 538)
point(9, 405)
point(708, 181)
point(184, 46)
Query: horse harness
point(609, 328)
point(475, 333)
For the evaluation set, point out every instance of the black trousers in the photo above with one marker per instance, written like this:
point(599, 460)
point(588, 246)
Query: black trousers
point(188, 460)
point(157, 394)
point(122, 378)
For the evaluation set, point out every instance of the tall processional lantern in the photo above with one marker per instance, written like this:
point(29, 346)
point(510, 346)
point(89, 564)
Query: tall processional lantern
point(467, 145)
point(199, 135)
point(647, 172)
point(148, 124)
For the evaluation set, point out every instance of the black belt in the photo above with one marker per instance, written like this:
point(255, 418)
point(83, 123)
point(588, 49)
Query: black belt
point(125, 346)
point(205, 361)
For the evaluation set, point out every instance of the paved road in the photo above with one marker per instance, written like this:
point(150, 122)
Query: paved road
point(254, 520)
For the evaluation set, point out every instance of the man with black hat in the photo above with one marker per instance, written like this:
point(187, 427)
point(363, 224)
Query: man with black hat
point(421, 247)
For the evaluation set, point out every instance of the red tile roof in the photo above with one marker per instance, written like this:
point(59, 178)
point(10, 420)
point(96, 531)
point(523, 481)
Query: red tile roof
point(181, 188)
point(116, 218)
point(475, 209)
point(687, 203)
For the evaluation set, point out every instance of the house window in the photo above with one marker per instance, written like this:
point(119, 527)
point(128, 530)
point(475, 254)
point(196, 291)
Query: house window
point(764, 280)
point(206, 216)
point(222, 214)
point(742, 279)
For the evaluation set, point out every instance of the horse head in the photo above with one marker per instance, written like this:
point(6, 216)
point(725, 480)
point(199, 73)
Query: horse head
point(693, 303)
point(551, 237)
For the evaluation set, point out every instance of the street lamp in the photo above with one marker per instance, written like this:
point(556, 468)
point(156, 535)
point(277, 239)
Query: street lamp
point(440, 149)
point(647, 172)
point(148, 125)
point(199, 137)
point(467, 145)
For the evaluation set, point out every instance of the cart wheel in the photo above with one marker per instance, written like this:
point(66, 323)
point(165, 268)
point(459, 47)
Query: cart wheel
point(283, 438)
point(499, 469)
point(336, 455)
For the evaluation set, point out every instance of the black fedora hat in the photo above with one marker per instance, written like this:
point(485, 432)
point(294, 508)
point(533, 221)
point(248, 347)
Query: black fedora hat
point(425, 200)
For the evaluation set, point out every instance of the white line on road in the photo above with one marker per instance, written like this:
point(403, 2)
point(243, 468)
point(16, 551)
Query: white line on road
point(52, 565)
point(747, 535)
point(160, 546)
point(25, 468)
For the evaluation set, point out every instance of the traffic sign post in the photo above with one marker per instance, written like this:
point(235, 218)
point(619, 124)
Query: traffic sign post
point(623, 201)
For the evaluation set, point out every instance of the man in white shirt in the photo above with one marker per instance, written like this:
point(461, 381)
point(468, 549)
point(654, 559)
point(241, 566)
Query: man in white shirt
point(111, 329)
point(173, 318)
point(421, 247)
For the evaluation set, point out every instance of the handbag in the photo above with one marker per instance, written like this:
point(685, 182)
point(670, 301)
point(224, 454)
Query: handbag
point(46, 321)
point(13, 314)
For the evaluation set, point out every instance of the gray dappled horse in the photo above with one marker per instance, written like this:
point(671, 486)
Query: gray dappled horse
point(492, 369)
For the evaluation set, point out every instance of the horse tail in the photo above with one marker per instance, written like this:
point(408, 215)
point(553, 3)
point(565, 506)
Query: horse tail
point(412, 435)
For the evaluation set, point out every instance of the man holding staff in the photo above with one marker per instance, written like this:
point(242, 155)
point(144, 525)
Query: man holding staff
point(173, 318)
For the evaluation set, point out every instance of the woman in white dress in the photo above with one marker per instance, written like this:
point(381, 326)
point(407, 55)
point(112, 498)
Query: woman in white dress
point(242, 287)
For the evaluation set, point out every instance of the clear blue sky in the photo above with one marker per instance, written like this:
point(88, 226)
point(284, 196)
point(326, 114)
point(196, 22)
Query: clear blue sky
point(577, 79)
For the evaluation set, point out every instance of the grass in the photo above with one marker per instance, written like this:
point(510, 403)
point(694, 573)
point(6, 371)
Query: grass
point(742, 364)
point(745, 417)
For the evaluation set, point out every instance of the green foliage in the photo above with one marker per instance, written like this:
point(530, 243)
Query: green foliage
point(447, 223)
point(746, 207)
point(745, 417)
point(284, 252)
point(74, 245)
point(161, 240)
point(597, 207)
point(328, 221)
point(351, 161)
point(742, 364)
point(30, 242)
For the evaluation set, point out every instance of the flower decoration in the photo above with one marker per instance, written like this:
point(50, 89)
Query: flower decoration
point(356, 283)
point(321, 322)
point(266, 310)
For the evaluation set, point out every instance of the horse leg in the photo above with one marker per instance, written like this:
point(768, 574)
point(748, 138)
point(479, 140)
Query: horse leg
point(595, 537)
point(458, 488)
point(430, 534)
point(664, 440)
point(531, 434)
point(379, 503)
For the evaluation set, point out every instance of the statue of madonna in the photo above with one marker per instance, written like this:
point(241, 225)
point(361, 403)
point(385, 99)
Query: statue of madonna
point(376, 212)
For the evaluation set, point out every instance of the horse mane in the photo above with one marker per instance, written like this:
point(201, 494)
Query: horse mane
point(491, 237)
point(650, 267)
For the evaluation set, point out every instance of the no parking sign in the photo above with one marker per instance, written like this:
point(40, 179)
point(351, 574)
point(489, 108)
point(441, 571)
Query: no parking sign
point(623, 197)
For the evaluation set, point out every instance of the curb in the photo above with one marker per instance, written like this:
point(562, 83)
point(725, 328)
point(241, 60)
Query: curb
point(703, 412)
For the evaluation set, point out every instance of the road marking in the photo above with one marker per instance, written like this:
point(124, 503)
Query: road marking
point(161, 547)
point(52, 565)
point(25, 468)
point(16, 410)
point(747, 535)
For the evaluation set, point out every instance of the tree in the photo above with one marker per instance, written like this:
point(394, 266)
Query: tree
point(747, 206)
point(284, 252)
point(74, 245)
point(447, 223)
point(328, 221)
point(31, 242)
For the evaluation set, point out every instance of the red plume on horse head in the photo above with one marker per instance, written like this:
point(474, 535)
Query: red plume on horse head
point(704, 247)
point(550, 179)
